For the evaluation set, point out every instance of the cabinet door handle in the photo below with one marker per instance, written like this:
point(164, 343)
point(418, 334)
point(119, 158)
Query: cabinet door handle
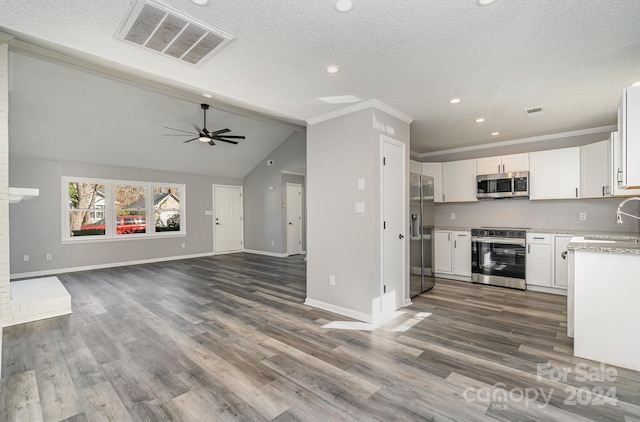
point(576, 192)
point(538, 238)
point(529, 249)
point(603, 191)
point(498, 168)
point(618, 178)
point(449, 237)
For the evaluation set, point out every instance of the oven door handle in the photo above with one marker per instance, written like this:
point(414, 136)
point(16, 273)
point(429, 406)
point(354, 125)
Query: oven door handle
point(504, 240)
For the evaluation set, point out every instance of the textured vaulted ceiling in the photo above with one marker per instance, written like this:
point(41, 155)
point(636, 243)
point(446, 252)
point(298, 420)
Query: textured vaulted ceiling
point(571, 57)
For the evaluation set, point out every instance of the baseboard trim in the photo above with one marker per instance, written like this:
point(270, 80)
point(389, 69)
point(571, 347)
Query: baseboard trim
point(453, 277)
point(275, 254)
point(102, 266)
point(551, 290)
point(360, 316)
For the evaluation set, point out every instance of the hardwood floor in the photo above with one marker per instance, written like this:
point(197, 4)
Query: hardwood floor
point(228, 338)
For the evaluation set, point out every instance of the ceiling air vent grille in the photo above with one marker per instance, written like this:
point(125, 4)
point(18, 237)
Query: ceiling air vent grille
point(170, 32)
point(534, 111)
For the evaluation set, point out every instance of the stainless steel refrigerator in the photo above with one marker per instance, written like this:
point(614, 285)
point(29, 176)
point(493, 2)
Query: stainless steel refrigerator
point(421, 240)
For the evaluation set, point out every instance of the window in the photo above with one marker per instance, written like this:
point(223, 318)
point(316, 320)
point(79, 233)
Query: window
point(114, 209)
point(84, 212)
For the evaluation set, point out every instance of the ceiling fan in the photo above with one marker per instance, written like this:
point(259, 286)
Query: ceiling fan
point(203, 135)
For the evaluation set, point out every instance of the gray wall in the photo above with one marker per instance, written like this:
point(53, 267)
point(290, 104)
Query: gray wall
point(341, 242)
point(35, 225)
point(562, 215)
point(264, 215)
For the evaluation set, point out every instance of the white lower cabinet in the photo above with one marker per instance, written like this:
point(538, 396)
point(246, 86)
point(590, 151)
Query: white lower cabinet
point(538, 271)
point(453, 253)
point(461, 252)
point(443, 256)
point(545, 265)
point(561, 261)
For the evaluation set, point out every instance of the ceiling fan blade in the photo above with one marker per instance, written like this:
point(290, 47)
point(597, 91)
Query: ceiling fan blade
point(179, 130)
point(229, 136)
point(200, 132)
point(189, 140)
point(211, 142)
point(226, 140)
point(178, 134)
point(218, 132)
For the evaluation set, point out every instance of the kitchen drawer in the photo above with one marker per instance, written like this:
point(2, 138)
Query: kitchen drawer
point(542, 238)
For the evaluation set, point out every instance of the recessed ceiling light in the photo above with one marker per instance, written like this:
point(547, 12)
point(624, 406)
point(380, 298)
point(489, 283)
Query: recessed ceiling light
point(332, 69)
point(454, 100)
point(482, 2)
point(343, 6)
point(206, 95)
point(200, 2)
point(495, 133)
point(480, 120)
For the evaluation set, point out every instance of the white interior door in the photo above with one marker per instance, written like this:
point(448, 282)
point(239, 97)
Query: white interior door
point(294, 219)
point(393, 215)
point(227, 214)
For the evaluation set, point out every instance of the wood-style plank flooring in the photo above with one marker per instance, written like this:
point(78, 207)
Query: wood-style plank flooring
point(229, 338)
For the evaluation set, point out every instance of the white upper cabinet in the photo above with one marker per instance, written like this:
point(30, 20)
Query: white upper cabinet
point(434, 170)
point(555, 174)
point(629, 138)
point(595, 170)
point(616, 171)
point(459, 181)
point(503, 164)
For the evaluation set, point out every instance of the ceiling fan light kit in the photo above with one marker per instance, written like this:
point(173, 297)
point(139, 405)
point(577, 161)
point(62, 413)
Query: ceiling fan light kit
point(203, 135)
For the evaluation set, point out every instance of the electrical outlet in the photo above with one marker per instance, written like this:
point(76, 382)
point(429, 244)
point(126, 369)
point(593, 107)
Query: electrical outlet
point(273, 242)
point(184, 245)
point(583, 216)
point(25, 258)
point(453, 215)
point(332, 280)
point(49, 257)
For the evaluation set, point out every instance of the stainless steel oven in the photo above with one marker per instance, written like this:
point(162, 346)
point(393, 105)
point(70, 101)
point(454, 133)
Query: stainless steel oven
point(498, 257)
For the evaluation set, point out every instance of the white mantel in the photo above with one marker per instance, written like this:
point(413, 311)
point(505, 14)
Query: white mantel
point(18, 194)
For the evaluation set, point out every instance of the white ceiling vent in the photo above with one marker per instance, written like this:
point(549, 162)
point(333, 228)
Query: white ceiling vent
point(534, 111)
point(170, 32)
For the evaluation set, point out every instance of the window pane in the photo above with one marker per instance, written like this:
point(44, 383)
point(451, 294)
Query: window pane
point(130, 197)
point(166, 204)
point(86, 202)
point(128, 222)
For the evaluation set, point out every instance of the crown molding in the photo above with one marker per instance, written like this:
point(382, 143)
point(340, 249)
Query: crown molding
point(532, 139)
point(364, 105)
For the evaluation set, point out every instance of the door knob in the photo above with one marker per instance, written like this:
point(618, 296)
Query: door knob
point(400, 236)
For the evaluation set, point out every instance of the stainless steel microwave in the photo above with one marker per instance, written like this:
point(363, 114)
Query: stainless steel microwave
point(503, 185)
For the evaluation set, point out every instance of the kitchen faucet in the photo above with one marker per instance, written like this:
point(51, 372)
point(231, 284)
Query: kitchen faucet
point(619, 213)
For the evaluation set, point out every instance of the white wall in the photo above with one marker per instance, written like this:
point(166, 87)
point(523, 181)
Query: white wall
point(36, 224)
point(4, 186)
point(339, 241)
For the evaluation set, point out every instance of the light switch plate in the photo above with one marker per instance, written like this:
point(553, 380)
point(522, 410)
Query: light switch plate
point(361, 183)
point(359, 207)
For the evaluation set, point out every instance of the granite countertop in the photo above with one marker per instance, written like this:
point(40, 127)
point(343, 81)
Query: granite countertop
point(607, 243)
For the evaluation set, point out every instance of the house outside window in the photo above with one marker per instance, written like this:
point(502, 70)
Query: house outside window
point(103, 209)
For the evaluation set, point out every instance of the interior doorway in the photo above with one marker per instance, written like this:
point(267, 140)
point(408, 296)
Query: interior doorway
point(393, 198)
point(294, 218)
point(228, 229)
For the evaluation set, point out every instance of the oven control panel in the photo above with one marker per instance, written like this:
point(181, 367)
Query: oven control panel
point(504, 233)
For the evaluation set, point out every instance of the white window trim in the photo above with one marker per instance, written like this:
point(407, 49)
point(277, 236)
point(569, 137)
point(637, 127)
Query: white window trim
point(109, 211)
